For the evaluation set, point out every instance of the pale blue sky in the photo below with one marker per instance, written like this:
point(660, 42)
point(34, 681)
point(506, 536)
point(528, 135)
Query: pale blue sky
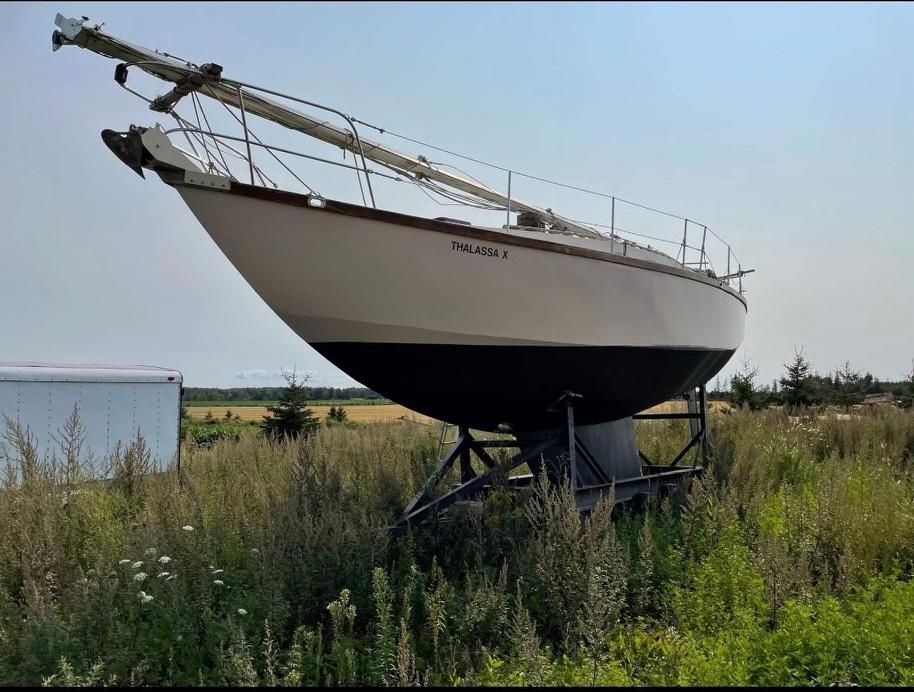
point(785, 128)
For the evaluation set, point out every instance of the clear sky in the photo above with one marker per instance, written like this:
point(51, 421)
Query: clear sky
point(788, 129)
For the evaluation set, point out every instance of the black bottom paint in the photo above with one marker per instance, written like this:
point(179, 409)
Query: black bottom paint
point(484, 386)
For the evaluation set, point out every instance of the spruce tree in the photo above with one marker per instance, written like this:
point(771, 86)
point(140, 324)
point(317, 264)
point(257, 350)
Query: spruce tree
point(847, 381)
point(796, 383)
point(742, 385)
point(290, 417)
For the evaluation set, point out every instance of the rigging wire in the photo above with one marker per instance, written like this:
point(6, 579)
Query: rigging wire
point(238, 120)
point(459, 170)
point(514, 172)
point(426, 185)
point(459, 198)
point(551, 182)
point(199, 134)
point(196, 101)
point(209, 159)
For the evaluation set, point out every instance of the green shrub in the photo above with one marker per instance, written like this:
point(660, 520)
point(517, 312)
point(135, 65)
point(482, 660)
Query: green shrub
point(207, 433)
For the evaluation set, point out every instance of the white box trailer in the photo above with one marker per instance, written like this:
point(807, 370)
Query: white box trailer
point(114, 404)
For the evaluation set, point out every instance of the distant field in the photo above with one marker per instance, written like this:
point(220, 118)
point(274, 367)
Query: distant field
point(315, 402)
point(360, 413)
point(679, 405)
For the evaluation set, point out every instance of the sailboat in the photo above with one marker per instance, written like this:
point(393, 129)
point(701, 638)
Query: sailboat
point(483, 326)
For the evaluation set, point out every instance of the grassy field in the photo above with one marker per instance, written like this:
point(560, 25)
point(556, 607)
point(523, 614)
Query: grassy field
point(372, 413)
point(789, 562)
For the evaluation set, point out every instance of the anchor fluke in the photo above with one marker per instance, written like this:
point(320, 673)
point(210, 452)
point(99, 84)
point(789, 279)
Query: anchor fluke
point(127, 146)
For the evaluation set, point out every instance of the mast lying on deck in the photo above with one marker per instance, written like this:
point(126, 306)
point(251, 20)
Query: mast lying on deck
point(207, 80)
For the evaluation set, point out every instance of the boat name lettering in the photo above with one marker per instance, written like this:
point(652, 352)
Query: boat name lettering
point(483, 250)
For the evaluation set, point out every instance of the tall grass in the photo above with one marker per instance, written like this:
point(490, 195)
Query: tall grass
point(268, 563)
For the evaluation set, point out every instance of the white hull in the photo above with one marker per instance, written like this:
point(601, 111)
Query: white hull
point(338, 278)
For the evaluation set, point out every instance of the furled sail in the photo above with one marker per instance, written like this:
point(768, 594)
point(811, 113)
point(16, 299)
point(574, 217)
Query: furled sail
point(207, 80)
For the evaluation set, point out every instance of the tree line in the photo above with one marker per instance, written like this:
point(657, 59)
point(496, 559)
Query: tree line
point(800, 385)
point(276, 393)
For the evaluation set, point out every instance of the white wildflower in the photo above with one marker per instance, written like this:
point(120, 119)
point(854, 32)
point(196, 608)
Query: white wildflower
point(139, 576)
point(187, 528)
point(137, 564)
point(218, 582)
point(144, 597)
point(150, 551)
point(164, 560)
point(218, 571)
point(254, 551)
point(169, 578)
point(125, 561)
point(162, 574)
point(242, 612)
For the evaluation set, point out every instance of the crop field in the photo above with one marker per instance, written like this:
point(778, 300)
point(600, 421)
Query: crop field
point(359, 413)
point(317, 402)
point(252, 412)
point(267, 563)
